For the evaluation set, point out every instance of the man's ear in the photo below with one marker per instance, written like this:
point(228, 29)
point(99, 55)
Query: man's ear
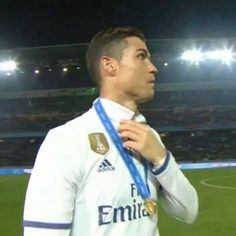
point(108, 64)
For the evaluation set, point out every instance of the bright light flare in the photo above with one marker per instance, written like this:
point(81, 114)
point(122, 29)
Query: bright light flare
point(8, 66)
point(36, 71)
point(226, 55)
point(192, 55)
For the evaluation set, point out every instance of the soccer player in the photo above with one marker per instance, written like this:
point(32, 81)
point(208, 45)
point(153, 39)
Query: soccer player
point(105, 172)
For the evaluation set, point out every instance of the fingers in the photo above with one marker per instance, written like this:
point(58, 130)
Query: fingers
point(132, 133)
point(133, 126)
point(142, 139)
point(131, 144)
point(130, 130)
point(128, 135)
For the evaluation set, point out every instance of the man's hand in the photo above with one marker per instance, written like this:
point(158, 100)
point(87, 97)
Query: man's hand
point(142, 139)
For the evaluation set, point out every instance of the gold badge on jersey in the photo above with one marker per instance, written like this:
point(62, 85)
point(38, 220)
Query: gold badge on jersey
point(98, 143)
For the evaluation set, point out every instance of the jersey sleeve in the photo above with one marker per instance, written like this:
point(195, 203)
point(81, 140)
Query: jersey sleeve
point(52, 188)
point(178, 196)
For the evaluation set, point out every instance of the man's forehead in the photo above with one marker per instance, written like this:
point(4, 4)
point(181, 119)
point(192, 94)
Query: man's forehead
point(136, 44)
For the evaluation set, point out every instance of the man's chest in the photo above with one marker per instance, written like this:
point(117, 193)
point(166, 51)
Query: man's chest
point(108, 180)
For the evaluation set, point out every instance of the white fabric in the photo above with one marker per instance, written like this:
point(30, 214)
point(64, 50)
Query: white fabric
point(66, 187)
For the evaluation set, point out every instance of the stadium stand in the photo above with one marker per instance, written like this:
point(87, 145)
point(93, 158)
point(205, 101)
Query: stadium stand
point(193, 110)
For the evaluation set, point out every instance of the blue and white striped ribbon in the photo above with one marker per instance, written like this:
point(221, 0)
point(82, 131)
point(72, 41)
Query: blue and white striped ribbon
point(140, 185)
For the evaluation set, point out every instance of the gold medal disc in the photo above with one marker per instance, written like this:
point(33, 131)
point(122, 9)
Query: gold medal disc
point(150, 206)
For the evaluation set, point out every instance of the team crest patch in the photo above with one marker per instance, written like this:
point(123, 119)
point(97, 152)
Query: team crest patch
point(98, 143)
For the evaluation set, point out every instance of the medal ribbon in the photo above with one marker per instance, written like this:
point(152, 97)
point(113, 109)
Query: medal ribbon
point(140, 185)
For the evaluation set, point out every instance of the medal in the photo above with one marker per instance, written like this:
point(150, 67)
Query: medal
point(150, 206)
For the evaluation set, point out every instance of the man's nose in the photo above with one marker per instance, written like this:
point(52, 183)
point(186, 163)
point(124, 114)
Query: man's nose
point(152, 68)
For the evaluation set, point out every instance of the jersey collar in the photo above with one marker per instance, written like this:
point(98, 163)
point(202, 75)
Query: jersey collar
point(117, 112)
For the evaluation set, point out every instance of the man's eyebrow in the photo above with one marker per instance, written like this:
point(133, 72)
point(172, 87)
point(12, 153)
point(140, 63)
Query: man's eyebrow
point(144, 51)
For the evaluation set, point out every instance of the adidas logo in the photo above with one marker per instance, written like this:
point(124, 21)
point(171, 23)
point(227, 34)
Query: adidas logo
point(105, 166)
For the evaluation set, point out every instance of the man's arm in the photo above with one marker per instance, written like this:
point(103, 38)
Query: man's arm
point(179, 196)
point(52, 188)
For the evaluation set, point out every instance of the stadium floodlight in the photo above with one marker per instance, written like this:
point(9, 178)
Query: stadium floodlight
point(192, 56)
point(226, 55)
point(8, 66)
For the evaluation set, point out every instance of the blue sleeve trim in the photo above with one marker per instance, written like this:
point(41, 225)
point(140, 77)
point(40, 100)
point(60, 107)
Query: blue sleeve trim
point(36, 224)
point(158, 170)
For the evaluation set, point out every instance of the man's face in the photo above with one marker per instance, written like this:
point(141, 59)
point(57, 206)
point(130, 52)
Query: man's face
point(135, 77)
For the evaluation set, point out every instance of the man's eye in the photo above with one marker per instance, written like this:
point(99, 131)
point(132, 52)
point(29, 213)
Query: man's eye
point(141, 56)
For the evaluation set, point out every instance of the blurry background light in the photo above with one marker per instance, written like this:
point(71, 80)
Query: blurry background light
point(8, 66)
point(225, 55)
point(192, 55)
point(36, 71)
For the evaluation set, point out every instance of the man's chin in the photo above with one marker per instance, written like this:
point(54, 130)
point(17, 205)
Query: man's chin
point(146, 99)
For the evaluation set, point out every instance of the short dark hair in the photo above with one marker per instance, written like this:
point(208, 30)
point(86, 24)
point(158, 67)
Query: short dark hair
point(110, 42)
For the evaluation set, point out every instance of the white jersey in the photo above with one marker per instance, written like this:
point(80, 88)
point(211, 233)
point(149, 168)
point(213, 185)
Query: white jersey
point(80, 185)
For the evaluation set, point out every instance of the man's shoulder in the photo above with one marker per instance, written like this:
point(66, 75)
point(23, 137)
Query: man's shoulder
point(76, 126)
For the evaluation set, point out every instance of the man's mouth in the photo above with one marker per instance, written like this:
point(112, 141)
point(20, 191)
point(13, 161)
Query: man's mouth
point(151, 82)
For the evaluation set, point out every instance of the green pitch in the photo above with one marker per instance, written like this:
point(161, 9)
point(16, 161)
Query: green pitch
point(216, 214)
point(12, 193)
point(217, 205)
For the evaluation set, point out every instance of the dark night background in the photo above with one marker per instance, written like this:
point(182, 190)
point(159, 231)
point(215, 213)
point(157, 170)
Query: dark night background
point(42, 23)
point(194, 107)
